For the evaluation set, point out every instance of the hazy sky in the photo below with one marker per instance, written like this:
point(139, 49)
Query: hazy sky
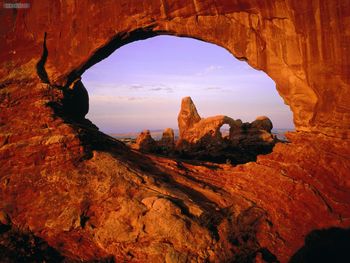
point(140, 86)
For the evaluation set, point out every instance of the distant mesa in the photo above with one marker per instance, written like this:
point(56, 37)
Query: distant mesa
point(201, 138)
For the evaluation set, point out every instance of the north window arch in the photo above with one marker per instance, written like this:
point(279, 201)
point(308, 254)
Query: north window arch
point(140, 87)
point(169, 68)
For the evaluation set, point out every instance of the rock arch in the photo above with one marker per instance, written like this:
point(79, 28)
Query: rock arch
point(303, 47)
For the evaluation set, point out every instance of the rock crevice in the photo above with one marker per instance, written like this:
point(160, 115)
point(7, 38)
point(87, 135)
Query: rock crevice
point(51, 160)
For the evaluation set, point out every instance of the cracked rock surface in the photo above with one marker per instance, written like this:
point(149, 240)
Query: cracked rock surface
point(81, 195)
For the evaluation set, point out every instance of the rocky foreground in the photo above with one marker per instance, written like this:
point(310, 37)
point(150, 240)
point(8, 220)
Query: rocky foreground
point(69, 192)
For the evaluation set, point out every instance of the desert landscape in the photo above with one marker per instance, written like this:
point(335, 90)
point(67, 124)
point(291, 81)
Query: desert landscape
point(202, 139)
point(130, 137)
point(72, 193)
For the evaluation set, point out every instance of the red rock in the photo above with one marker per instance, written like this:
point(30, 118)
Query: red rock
point(262, 123)
point(188, 115)
point(167, 142)
point(83, 193)
point(203, 139)
point(145, 142)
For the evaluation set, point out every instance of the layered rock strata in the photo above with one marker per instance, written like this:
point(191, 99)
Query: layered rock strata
point(90, 198)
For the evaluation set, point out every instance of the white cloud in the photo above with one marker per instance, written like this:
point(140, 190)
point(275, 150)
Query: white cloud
point(209, 69)
point(112, 99)
point(214, 88)
point(167, 89)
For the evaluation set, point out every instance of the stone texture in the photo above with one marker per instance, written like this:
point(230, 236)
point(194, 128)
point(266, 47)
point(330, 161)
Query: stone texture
point(167, 142)
point(70, 185)
point(257, 133)
point(262, 123)
point(288, 40)
point(188, 115)
point(145, 142)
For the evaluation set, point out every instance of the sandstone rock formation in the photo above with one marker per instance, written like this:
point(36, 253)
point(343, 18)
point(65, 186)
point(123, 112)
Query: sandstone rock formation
point(262, 123)
point(145, 142)
point(90, 198)
point(167, 142)
point(188, 115)
point(202, 139)
point(257, 133)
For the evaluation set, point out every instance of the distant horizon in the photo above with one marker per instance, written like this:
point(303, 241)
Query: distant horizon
point(140, 86)
point(121, 131)
point(176, 129)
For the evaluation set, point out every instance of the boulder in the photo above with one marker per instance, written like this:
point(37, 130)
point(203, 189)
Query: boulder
point(167, 142)
point(262, 123)
point(145, 142)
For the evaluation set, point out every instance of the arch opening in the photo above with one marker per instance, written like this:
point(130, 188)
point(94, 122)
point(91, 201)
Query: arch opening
point(216, 207)
point(141, 85)
point(225, 131)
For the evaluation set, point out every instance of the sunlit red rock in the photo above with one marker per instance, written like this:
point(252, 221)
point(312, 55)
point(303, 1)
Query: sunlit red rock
point(188, 115)
point(90, 198)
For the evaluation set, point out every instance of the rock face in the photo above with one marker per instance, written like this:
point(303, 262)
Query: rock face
point(145, 142)
point(255, 134)
point(188, 115)
point(201, 137)
point(90, 198)
point(167, 142)
point(262, 123)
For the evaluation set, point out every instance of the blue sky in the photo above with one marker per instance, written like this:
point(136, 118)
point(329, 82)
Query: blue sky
point(141, 84)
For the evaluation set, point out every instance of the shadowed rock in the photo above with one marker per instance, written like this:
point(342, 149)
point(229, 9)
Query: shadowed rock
point(167, 142)
point(82, 192)
point(257, 133)
point(145, 142)
point(76, 101)
point(324, 246)
point(262, 123)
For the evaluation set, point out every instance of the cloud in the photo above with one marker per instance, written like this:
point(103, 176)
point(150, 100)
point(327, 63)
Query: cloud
point(212, 68)
point(136, 86)
point(113, 99)
point(209, 69)
point(167, 89)
point(214, 88)
point(102, 88)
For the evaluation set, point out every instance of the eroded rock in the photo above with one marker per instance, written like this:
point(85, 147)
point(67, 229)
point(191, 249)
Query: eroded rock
point(301, 186)
point(167, 142)
point(200, 138)
point(262, 123)
point(188, 115)
point(145, 142)
point(203, 139)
